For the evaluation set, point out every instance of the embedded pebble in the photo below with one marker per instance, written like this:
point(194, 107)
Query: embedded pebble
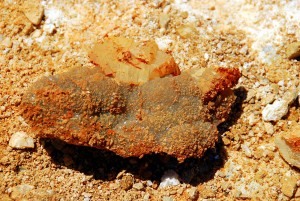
point(192, 193)
point(20, 190)
point(7, 42)
point(186, 31)
point(126, 182)
point(33, 10)
point(289, 184)
point(275, 111)
point(269, 128)
point(138, 186)
point(170, 178)
point(293, 50)
point(164, 20)
point(167, 198)
point(20, 140)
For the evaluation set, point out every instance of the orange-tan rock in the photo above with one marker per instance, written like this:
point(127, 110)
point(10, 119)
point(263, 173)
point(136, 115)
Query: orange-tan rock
point(288, 144)
point(131, 62)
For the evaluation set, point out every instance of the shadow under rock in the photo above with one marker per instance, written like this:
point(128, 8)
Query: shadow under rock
point(106, 165)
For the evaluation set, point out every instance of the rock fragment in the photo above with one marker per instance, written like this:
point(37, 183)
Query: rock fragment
point(33, 10)
point(275, 111)
point(293, 50)
point(175, 115)
point(288, 145)
point(20, 140)
point(126, 182)
point(170, 178)
point(131, 62)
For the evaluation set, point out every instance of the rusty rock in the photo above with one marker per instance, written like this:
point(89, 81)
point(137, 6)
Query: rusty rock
point(176, 115)
point(173, 115)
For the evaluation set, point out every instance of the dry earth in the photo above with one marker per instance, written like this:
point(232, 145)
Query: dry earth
point(43, 38)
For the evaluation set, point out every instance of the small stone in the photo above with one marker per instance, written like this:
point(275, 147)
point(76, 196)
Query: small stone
point(139, 186)
point(246, 150)
point(269, 128)
point(293, 50)
point(184, 14)
point(186, 31)
point(20, 140)
point(226, 141)
point(164, 20)
point(33, 10)
point(126, 182)
point(275, 111)
point(167, 198)
point(146, 196)
point(289, 185)
point(7, 42)
point(192, 193)
point(170, 178)
point(20, 190)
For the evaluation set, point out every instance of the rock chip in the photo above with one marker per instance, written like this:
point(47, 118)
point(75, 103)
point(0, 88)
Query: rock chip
point(288, 145)
point(176, 115)
point(20, 140)
point(293, 50)
point(33, 10)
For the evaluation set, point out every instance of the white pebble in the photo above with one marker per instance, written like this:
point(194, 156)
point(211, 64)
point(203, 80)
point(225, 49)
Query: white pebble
point(170, 178)
point(275, 111)
point(20, 140)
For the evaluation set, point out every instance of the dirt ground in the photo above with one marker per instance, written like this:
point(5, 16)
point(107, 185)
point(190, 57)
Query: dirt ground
point(39, 38)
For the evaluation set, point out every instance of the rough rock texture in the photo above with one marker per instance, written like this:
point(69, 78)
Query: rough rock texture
point(170, 115)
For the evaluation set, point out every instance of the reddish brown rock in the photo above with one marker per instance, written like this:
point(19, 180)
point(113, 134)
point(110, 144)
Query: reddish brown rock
point(121, 107)
point(171, 115)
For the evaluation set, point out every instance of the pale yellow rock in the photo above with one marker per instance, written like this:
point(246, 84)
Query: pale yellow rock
point(288, 145)
point(130, 62)
point(164, 20)
point(289, 185)
point(7, 42)
point(293, 50)
point(33, 10)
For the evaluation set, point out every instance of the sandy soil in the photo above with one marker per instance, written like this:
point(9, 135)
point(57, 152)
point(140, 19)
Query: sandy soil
point(47, 37)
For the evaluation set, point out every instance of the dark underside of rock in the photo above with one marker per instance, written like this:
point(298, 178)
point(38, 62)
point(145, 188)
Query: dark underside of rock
point(171, 115)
